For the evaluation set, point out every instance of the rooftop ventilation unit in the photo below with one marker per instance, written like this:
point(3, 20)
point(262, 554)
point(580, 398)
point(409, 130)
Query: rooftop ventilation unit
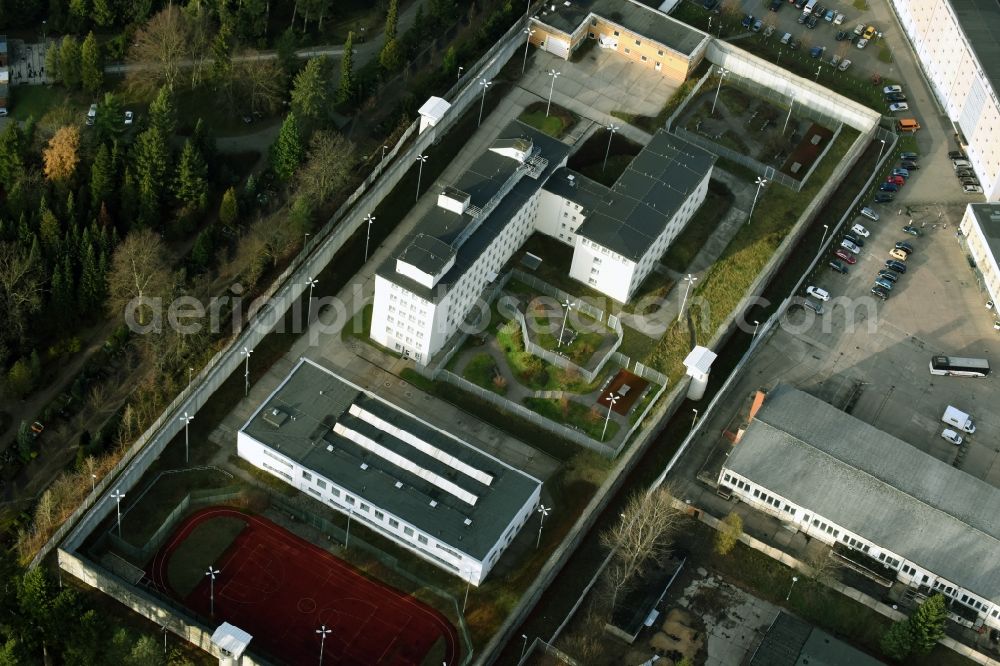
point(276, 417)
point(399, 484)
point(364, 465)
point(467, 521)
point(433, 503)
point(329, 447)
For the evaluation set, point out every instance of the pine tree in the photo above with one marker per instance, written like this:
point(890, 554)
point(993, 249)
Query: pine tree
point(287, 152)
point(309, 90)
point(108, 124)
point(897, 643)
point(229, 208)
point(101, 177)
point(11, 156)
point(191, 186)
point(162, 113)
point(104, 13)
point(78, 11)
point(391, 57)
point(62, 295)
point(346, 90)
point(91, 293)
point(222, 61)
point(151, 162)
point(927, 624)
point(204, 142)
point(49, 230)
point(52, 73)
point(91, 65)
point(201, 252)
point(69, 61)
point(391, 18)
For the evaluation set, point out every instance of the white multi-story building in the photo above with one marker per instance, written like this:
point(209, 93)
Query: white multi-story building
point(905, 514)
point(419, 486)
point(519, 186)
point(981, 228)
point(958, 46)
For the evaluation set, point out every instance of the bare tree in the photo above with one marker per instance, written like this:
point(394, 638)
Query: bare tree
point(201, 33)
point(160, 49)
point(20, 287)
point(729, 533)
point(328, 167)
point(138, 271)
point(641, 539)
point(258, 83)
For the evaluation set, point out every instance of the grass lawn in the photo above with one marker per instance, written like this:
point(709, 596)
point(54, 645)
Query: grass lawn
point(607, 175)
point(686, 246)
point(884, 54)
point(35, 101)
point(533, 372)
point(481, 371)
point(573, 414)
point(554, 124)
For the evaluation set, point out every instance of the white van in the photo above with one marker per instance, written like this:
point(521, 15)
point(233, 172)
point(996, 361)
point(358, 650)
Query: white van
point(961, 164)
point(92, 114)
point(809, 7)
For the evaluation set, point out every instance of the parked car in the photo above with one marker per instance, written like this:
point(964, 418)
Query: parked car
point(859, 29)
point(757, 25)
point(972, 189)
point(828, 16)
point(860, 231)
point(129, 117)
point(910, 166)
point(812, 22)
point(895, 97)
point(904, 246)
point(888, 275)
point(888, 187)
point(849, 246)
point(956, 155)
point(913, 157)
point(888, 90)
point(862, 43)
point(899, 106)
point(857, 240)
point(884, 197)
point(885, 284)
point(965, 173)
point(769, 30)
point(869, 32)
point(898, 180)
point(901, 172)
point(802, 18)
point(710, 4)
point(747, 21)
point(952, 436)
point(92, 114)
point(816, 292)
point(841, 253)
point(869, 213)
point(837, 266)
point(969, 181)
point(794, 44)
point(37, 428)
point(775, 5)
point(844, 65)
point(835, 60)
point(838, 19)
point(913, 231)
point(894, 265)
point(841, 36)
point(816, 51)
point(961, 164)
point(899, 255)
point(818, 10)
point(880, 292)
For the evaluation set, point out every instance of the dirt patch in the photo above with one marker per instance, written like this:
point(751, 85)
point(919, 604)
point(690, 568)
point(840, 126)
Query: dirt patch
point(807, 152)
point(627, 388)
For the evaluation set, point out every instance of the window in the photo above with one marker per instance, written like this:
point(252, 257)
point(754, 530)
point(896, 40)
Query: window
point(627, 51)
point(659, 53)
point(335, 492)
point(644, 58)
point(350, 500)
point(307, 476)
point(365, 507)
point(616, 33)
point(408, 531)
point(321, 483)
point(637, 43)
point(393, 523)
point(422, 539)
point(379, 515)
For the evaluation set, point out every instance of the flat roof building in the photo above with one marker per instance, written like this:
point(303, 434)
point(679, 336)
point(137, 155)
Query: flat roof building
point(840, 480)
point(790, 641)
point(419, 486)
point(981, 228)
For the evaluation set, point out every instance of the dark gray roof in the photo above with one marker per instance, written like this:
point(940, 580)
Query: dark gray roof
point(988, 216)
point(299, 418)
point(980, 21)
point(633, 16)
point(627, 217)
point(427, 253)
point(790, 641)
point(485, 177)
point(876, 486)
point(3, 43)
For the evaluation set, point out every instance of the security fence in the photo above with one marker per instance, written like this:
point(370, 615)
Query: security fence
point(558, 294)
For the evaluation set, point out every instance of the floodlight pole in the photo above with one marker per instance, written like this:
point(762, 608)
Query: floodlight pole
point(482, 102)
point(789, 117)
point(309, 308)
point(347, 537)
point(761, 182)
point(823, 239)
point(756, 325)
point(468, 584)
point(527, 42)
point(420, 173)
point(795, 579)
point(690, 279)
point(818, 70)
point(164, 628)
point(612, 400)
point(880, 150)
point(246, 371)
point(544, 511)
point(694, 422)
point(369, 218)
point(211, 573)
point(322, 631)
point(524, 647)
point(611, 132)
point(567, 306)
point(187, 418)
point(381, 162)
point(555, 75)
point(458, 77)
point(118, 496)
point(93, 482)
point(722, 75)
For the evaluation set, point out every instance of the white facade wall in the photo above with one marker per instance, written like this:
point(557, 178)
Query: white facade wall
point(959, 82)
point(387, 524)
point(601, 269)
point(558, 217)
point(981, 253)
point(827, 531)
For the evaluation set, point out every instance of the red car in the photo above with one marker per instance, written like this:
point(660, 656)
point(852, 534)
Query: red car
point(843, 254)
point(897, 180)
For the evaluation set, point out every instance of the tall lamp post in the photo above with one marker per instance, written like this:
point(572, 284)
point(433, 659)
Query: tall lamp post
point(818, 70)
point(93, 482)
point(789, 116)
point(544, 511)
point(118, 496)
point(612, 400)
point(722, 75)
point(322, 631)
point(612, 128)
point(555, 75)
point(212, 573)
point(527, 42)
point(187, 418)
point(694, 421)
point(347, 536)
point(761, 182)
point(312, 282)
point(823, 237)
point(756, 325)
point(482, 102)
point(524, 647)
point(791, 587)
point(459, 76)
point(690, 279)
point(420, 173)
point(246, 370)
point(881, 148)
point(567, 306)
point(369, 218)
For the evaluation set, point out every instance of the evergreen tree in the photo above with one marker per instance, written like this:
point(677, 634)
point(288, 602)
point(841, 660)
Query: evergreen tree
point(309, 90)
point(62, 301)
point(162, 113)
point(102, 177)
point(286, 46)
point(391, 56)
point(128, 198)
point(108, 124)
point(347, 85)
point(78, 10)
point(25, 440)
point(52, 62)
point(151, 162)
point(391, 18)
point(897, 643)
point(201, 252)
point(11, 154)
point(49, 230)
point(104, 13)
point(927, 624)
point(449, 63)
point(229, 208)
point(287, 152)
point(191, 187)
point(69, 62)
point(222, 61)
point(91, 294)
point(91, 64)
